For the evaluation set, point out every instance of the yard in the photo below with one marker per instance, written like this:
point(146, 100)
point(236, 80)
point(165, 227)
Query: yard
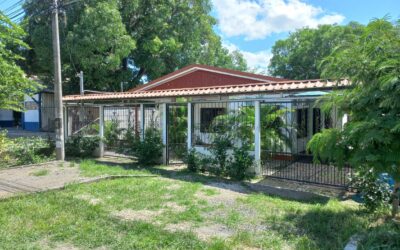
point(175, 209)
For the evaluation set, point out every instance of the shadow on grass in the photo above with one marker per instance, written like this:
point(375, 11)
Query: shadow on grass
point(325, 228)
point(173, 172)
point(384, 236)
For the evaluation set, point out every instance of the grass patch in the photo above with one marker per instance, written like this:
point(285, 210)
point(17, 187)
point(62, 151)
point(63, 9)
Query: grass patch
point(90, 168)
point(384, 236)
point(41, 172)
point(91, 216)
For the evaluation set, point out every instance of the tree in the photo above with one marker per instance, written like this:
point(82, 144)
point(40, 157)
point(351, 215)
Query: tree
point(97, 35)
point(299, 56)
point(14, 84)
point(174, 34)
point(93, 39)
point(370, 140)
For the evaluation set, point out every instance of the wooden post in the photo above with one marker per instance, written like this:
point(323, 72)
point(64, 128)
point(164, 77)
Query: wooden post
point(257, 138)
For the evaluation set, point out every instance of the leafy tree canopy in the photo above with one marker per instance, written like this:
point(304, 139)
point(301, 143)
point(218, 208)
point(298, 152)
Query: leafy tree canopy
point(14, 85)
point(93, 39)
point(299, 56)
point(370, 140)
point(96, 35)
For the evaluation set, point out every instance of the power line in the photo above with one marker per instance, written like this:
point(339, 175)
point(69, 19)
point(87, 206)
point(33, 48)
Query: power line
point(12, 7)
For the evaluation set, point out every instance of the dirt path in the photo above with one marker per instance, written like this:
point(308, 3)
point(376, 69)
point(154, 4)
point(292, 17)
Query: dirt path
point(37, 178)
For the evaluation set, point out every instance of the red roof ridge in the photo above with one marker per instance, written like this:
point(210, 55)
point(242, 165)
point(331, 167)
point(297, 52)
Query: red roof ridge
point(207, 67)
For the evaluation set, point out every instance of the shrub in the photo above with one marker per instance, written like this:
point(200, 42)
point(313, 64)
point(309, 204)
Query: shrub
point(129, 142)
point(24, 150)
point(205, 162)
point(149, 151)
point(4, 149)
point(192, 160)
point(239, 168)
point(219, 149)
point(81, 146)
point(32, 150)
point(112, 131)
point(375, 191)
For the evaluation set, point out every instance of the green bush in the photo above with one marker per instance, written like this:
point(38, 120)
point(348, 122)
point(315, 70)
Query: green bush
point(4, 145)
point(81, 146)
point(219, 150)
point(205, 163)
point(375, 191)
point(112, 131)
point(32, 150)
point(239, 168)
point(129, 143)
point(149, 151)
point(192, 160)
point(24, 150)
point(238, 165)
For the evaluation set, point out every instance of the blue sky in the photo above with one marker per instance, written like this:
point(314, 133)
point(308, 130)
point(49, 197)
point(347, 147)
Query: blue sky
point(253, 26)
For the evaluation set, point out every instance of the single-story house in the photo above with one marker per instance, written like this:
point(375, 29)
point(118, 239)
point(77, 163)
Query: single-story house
point(202, 95)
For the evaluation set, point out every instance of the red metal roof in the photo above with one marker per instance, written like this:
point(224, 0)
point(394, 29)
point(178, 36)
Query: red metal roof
point(197, 75)
point(267, 87)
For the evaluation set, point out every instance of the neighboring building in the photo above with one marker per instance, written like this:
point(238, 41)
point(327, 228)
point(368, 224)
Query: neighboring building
point(37, 116)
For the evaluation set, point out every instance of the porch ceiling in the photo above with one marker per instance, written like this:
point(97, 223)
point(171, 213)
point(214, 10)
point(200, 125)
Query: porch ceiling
point(270, 87)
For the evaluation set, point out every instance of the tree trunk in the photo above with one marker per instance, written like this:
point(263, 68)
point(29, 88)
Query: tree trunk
point(395, 202)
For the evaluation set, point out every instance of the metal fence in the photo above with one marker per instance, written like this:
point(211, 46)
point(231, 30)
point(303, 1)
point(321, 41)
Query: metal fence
point(286, 127)
point(121, 124)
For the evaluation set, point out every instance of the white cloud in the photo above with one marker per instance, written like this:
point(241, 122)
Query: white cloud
point(258, 19)
point(257, 61)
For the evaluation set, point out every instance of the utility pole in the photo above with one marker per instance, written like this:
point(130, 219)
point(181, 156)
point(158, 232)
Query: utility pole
point(58, 121)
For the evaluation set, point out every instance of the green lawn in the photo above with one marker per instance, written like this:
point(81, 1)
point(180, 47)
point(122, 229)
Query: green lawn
point(171, 211)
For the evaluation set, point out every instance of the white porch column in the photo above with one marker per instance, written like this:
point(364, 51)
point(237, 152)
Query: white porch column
point(164, 131)
point(189, 124)
point(141, 121)
point(257, 138)
point(101, 131)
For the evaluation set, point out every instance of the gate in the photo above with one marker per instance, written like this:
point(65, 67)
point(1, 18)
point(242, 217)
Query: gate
point(177, 115)
point(286, 128)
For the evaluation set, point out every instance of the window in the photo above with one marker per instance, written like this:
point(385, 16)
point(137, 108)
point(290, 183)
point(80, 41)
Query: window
point(302, 121)
point(207, 115)
point(316, 120)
